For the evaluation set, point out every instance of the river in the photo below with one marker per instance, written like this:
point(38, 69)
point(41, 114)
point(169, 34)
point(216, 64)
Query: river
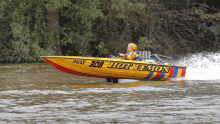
point(39, 93)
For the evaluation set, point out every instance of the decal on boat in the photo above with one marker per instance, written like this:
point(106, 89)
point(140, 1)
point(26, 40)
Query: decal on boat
point(79, 61)
point(152, 68)
point(139, 67)
point(120, 65)
point(96, 64)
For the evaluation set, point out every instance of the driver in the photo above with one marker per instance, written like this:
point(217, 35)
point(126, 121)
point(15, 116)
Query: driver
point(131, 54)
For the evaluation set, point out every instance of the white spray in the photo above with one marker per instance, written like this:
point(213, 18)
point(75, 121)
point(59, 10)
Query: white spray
point(201, 66)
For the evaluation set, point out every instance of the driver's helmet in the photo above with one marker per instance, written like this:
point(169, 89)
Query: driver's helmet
point(131, 47)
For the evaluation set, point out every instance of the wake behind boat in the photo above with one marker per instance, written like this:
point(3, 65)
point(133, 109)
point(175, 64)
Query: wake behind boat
point(115, 68)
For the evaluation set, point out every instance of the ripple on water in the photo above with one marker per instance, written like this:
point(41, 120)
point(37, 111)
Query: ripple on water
point(28, 97)
point(107, 104)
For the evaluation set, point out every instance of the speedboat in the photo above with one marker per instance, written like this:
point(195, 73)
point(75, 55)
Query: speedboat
point(149, 67)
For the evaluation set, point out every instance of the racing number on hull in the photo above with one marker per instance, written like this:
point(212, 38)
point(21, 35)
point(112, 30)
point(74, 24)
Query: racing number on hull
point(96, 64)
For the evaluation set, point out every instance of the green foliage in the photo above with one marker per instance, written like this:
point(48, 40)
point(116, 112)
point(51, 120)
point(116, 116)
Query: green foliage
point(78, 23)
point(125, 5)
point(25, 21)
point(83, 52)
point(143, 44)
point(24, 34)
point(167, 4)
point(215, 16)
point(57, 4)
point(102, 49)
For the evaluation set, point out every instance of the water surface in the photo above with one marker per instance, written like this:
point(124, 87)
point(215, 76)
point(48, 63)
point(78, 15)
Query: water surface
point(39, 93)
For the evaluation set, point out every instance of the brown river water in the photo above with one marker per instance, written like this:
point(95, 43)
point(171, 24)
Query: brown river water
point(39, 93)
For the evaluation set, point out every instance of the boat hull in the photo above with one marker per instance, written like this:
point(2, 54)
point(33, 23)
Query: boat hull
point(115, 68)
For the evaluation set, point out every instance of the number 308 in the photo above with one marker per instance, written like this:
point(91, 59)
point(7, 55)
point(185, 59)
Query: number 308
point(96, 64)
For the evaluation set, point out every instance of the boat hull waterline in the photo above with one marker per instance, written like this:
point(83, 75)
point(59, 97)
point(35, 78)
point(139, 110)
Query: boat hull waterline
point(115, 68)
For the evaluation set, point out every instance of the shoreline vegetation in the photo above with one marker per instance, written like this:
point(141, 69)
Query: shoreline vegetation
point(99, 28)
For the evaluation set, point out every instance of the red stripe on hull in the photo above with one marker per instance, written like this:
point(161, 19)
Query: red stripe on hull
point(183, 72)
point(158, 75)
point(171, 72)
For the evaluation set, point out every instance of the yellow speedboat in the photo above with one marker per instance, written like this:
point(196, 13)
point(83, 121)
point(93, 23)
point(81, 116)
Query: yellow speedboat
point(113, 69)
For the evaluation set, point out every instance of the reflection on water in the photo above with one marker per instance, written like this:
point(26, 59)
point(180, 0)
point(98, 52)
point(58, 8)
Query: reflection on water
point(39, 93)
point(117, 85)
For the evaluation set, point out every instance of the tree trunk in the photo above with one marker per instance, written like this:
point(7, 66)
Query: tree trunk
point(53, 25)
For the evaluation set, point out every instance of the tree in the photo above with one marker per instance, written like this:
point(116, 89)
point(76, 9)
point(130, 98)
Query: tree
point(33, 28)
point(53, 25)
point(77, 21)
point(23, 31)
